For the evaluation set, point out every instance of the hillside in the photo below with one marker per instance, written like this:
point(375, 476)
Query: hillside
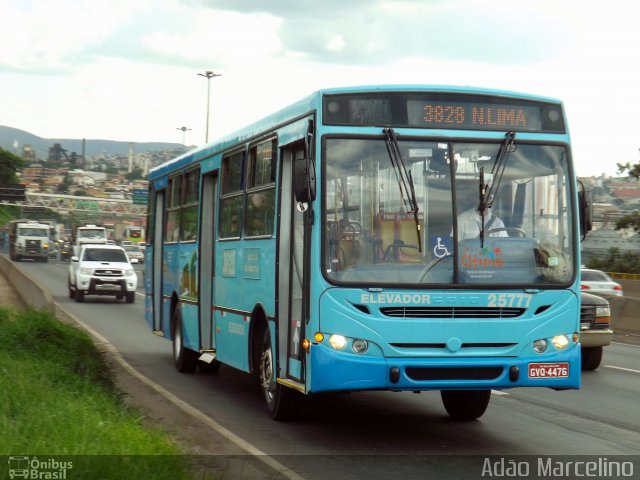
point(9, 137)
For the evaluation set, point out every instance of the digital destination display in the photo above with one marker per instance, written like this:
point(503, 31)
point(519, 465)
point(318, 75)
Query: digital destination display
point(443, 111)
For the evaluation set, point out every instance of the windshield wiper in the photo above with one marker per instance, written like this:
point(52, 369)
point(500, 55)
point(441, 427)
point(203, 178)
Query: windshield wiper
point(405, 180)
point(487, 197)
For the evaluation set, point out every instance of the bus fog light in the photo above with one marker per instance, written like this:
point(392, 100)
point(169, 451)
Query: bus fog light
point(560, 342)
point(540, 346)
point(360, 346)
point(337, 342)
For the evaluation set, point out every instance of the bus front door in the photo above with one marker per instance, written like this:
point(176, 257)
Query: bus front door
point(156, 262)
point(292, 276)
point(206, 270)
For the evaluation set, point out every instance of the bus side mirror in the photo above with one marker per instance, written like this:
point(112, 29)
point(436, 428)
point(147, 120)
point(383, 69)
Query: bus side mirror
point(304, 182)
point(585, 203)
point(304, 170)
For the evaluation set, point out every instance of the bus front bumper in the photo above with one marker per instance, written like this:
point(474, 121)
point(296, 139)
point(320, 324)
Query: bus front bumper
point(336, 371)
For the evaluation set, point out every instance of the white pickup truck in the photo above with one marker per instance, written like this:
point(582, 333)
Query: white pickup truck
point(102, 270)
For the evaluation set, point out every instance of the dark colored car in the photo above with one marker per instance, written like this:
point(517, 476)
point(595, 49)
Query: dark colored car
point(595, 331)
point(66, 250)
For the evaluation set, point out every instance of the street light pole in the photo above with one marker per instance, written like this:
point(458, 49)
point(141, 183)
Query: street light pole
point(184, 129)
point(208, 75)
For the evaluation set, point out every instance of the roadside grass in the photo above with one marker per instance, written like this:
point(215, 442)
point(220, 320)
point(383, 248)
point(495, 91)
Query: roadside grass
point(57, 397)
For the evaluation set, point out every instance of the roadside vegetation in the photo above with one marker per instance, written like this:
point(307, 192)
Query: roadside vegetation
point(617, 262)
point(57, 397)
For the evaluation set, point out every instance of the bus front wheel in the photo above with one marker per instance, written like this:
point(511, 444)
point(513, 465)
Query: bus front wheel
point(465, 404)
point(280, 400)
point(185, 360)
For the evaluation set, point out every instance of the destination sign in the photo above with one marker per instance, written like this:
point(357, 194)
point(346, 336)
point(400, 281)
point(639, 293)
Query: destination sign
point(435, 110)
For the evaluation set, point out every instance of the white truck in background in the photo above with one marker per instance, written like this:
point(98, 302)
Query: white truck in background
point(29, 239)
point(93, 234)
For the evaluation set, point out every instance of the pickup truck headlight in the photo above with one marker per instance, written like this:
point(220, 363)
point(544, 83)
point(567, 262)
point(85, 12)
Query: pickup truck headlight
point(86, 271)
point(129, 272)
point(603, 314)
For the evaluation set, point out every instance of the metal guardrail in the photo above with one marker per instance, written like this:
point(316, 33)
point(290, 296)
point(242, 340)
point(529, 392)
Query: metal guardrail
point(624, 276)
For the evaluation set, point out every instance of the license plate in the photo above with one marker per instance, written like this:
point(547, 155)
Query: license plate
point(549, 370)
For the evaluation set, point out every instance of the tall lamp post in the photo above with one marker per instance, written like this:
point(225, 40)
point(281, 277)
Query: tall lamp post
point(184, 130)
point(208, 75)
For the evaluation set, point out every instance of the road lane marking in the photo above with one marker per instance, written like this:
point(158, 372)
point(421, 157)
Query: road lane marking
point(622, 368)
point(499, 393)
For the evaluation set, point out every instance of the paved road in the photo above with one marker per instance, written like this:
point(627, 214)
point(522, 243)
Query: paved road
point(382, 434)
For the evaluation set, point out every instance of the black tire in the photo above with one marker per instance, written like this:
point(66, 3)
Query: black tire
point(185, 360)
point(465, 404)
point(280, 400)
point(131, 297)
point(79, 296)
point(591, 358)
point(72, 292)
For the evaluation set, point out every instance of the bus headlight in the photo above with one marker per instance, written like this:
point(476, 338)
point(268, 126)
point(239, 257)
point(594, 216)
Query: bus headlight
point(337, 342)
point(540, 346)
point(560, 342)
point(359, 346)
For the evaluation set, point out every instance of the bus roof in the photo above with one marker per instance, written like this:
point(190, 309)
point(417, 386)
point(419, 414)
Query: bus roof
point(313, 101)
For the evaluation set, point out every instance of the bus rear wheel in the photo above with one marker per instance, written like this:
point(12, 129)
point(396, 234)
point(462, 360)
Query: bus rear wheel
point(465, 404)
point(280, 400)
point(185, 360)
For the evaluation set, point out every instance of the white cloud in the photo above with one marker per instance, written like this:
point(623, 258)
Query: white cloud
point(127, 69)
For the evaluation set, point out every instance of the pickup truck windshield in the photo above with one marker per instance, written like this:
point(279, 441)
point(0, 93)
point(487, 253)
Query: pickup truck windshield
point(370, 233)
point(104, 255)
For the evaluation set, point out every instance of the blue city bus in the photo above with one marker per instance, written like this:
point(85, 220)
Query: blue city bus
point(401, 238)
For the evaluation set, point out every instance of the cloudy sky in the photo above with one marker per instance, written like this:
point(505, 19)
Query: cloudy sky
point(127, 69)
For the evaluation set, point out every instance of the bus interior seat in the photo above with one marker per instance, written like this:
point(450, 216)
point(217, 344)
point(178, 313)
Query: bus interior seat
point(392, 231)
point(344, 242)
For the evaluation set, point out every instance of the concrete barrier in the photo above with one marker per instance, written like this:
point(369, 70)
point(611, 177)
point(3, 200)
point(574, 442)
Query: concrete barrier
point(625, 314)
point(33, 294)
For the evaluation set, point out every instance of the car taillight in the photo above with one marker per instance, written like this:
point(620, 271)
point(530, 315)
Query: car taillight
point(584, 287)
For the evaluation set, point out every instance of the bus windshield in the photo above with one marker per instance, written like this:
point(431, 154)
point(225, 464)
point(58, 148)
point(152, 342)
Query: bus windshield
point(523, 235)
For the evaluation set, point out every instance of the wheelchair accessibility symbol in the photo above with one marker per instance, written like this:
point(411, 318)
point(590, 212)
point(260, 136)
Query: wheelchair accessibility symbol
point(442, 247)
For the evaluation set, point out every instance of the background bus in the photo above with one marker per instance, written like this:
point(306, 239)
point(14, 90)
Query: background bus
point(133, 234)
point(328, 247)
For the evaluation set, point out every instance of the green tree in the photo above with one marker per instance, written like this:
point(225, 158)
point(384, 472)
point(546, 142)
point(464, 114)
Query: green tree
point(632, 220)
point(136, 174)
point(9, 166)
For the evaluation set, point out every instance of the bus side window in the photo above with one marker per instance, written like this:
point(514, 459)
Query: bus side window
point(261, 174)
point(230, 217)
point(231, 195)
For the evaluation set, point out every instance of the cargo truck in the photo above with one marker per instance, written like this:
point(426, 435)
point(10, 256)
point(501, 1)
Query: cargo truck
point(29, 239)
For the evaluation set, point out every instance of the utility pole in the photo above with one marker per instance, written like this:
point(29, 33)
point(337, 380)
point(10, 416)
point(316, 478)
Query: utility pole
point(208, 75)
